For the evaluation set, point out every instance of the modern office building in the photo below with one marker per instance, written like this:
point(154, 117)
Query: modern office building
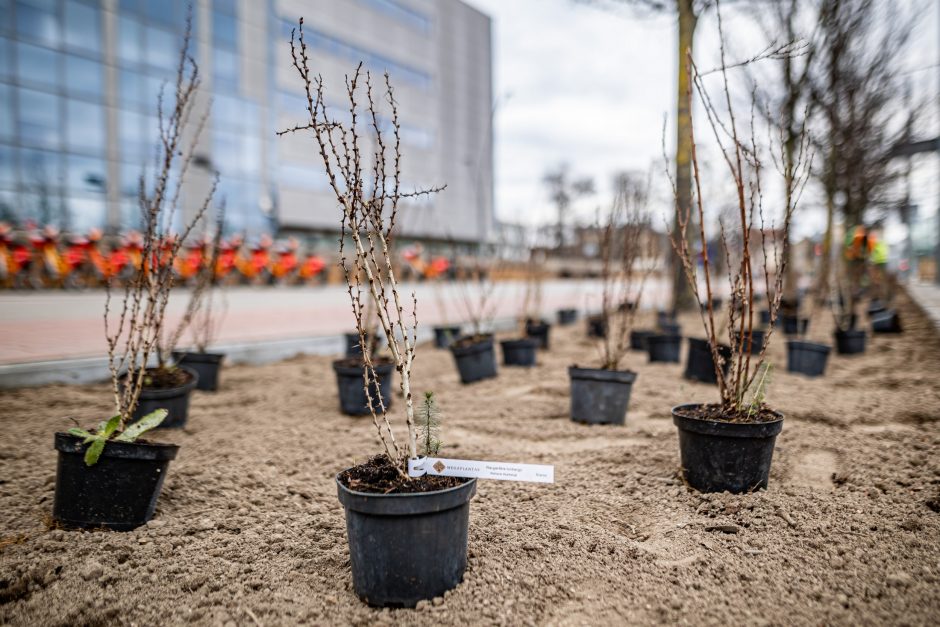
point(80, 80)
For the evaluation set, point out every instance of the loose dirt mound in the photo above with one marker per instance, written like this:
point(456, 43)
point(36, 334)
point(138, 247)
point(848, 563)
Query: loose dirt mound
point(249, 530)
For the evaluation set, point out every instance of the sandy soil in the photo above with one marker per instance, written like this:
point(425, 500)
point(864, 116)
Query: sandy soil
point(249, 530)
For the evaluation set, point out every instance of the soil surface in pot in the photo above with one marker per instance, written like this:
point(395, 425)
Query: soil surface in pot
point(248, 520)
point(166, 378)
point(356, 362)
point(379, 476)
point(470, 340)
point(717, 413)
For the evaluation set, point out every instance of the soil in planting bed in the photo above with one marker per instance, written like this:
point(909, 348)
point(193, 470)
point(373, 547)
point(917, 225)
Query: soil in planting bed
point(380, 476)
point(470, 340)
point(249, 529)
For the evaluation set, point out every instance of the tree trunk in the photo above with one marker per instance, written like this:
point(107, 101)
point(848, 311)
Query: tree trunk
point(682, 298)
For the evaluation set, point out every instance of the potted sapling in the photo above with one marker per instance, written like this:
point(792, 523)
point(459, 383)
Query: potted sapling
point(601, 395)
point(521, 351)
point(569, 315)
point(201, 317)
point(166, 385)
point(108, 477)
point(474, 353)
point(536, 327)
point(445, 332)
point(728, 444)
point(804, 356)
point(407, 535)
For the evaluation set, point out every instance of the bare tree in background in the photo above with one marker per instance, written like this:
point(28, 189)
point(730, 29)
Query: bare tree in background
point(563, 190)
point(857, 91)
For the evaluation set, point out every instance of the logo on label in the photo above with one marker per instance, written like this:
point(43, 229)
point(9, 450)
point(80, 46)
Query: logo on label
point(439, 466)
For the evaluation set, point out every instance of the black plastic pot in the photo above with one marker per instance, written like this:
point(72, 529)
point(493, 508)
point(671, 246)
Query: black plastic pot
point(353, 349)
point(405, 548)
point(665, 318)
point(600, 396)
point(206, 365)
point(725, 456)
point(538, 330)
point(716, 304)
point(757, 342)
point(174, 400)
point(876, 307)
point(475, 362)
point(807, 358)
point(119, 492)
point(765, 316)
point(700, 366)
point(792, 325)
point(567, 316)
point(597, 326)
point(670, 328)
point(887, 321)
point(850, 342)
point(638, 339)
point(519, 352)
point(352, 394)
point(663, 348)
point(443, 336)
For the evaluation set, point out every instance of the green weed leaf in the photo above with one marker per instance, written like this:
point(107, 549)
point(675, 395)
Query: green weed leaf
point(110, 426)
point(142, 426)
point(94, 451)
point(82, 434)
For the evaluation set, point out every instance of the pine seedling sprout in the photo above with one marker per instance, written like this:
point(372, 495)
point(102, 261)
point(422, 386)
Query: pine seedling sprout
point(429, 427)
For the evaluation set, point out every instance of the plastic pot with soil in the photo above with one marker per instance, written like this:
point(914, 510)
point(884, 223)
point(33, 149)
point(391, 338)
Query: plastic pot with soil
point(851, 342)
point(597, 326)
point(719, 455)
point(475, 357)
point(638, 339)
point(118, 492)
point(445, 335)
point(567, 316)
point(700, 365)
point(519, 352)
point(169, 389)
point(206, 365)
point(353, 348)
point(663, 348)
point(756, 343)
point(794, 325)
point(886, 321)
point(599, 395)
point(405, 547)
point(350, 384)
point(538, 330)
point(807, 358)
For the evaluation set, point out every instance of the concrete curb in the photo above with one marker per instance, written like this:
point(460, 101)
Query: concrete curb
point(95, 369)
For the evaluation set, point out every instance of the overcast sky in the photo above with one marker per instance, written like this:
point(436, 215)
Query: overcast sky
point(591, 88)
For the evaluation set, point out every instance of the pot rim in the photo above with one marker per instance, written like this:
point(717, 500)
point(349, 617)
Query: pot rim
point(156, 395)
point(807, 345)
point(405, 504)
point(522, 342)
point(206, 358)
point(726, 429)
point(145, 451)
point(477, 347)
point(624, 377)
point(380, 369)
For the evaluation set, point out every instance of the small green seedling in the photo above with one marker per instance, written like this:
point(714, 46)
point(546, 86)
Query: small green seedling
point(429, 427)
point(107, 431)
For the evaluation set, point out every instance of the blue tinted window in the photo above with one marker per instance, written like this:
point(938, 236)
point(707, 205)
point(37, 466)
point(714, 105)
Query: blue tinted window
point(84, 77)
point(40, 169)
point(82, 26)
point(85, 212)
point(86, 130)
point(224, 30)
point(131, 135)
point(226, 6)
point(130, 88)
point(86, 174)
point(225, 70)
point(130, 178)
point(162, 49)
point(37, 66)
point(6, 59)
point(129, 6)
point(6, 111)
point(129, 40)
point(402, 13)
point(154, 89)
point(7, 167)
point(166, 12)
point(37, 22)
point(6, 8)
point(40, 120)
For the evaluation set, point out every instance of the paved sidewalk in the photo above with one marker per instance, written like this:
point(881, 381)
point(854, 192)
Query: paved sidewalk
point(927, 295)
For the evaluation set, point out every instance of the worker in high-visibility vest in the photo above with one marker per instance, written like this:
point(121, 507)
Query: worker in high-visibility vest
point(878, 266)
point(855, 252)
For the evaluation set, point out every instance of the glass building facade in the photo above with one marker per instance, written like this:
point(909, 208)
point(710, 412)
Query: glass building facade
point(80, 82)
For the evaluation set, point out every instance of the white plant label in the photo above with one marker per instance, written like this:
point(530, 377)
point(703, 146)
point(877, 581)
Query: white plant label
point(472, 469)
